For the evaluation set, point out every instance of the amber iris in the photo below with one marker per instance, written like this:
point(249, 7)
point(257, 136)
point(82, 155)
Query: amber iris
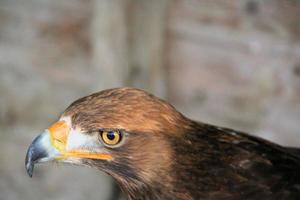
point(111, 137)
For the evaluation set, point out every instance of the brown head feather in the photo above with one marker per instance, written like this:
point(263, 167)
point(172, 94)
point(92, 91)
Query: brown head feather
point(126, 108)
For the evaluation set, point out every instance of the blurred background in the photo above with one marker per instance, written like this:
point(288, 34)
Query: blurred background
point(234, 63)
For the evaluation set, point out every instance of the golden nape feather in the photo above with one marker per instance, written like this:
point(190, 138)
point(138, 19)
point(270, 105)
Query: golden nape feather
point(155, 152)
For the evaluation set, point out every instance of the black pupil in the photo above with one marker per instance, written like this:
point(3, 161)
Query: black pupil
point(111, 135)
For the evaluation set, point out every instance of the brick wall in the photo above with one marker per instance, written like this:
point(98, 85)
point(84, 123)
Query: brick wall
point(236, 63)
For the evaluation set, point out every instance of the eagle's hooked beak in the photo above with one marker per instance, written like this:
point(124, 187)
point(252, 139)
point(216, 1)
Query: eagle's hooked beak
point(56, 143)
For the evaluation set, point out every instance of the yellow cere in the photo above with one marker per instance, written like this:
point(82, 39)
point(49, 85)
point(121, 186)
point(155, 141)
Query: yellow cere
point(59, 133)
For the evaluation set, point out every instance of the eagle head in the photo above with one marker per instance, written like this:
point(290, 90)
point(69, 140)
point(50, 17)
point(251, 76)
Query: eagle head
point(124, 132)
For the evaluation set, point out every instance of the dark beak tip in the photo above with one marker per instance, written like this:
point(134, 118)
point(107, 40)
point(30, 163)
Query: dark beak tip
point(34, 153)
point(29, 169)
point(29, 162)
point(28, 166)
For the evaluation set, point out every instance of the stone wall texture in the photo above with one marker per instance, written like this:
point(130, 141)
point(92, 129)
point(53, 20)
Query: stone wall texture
point(235, 63)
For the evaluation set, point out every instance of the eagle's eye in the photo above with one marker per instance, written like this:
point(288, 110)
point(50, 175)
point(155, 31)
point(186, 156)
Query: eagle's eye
point(111, 137)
